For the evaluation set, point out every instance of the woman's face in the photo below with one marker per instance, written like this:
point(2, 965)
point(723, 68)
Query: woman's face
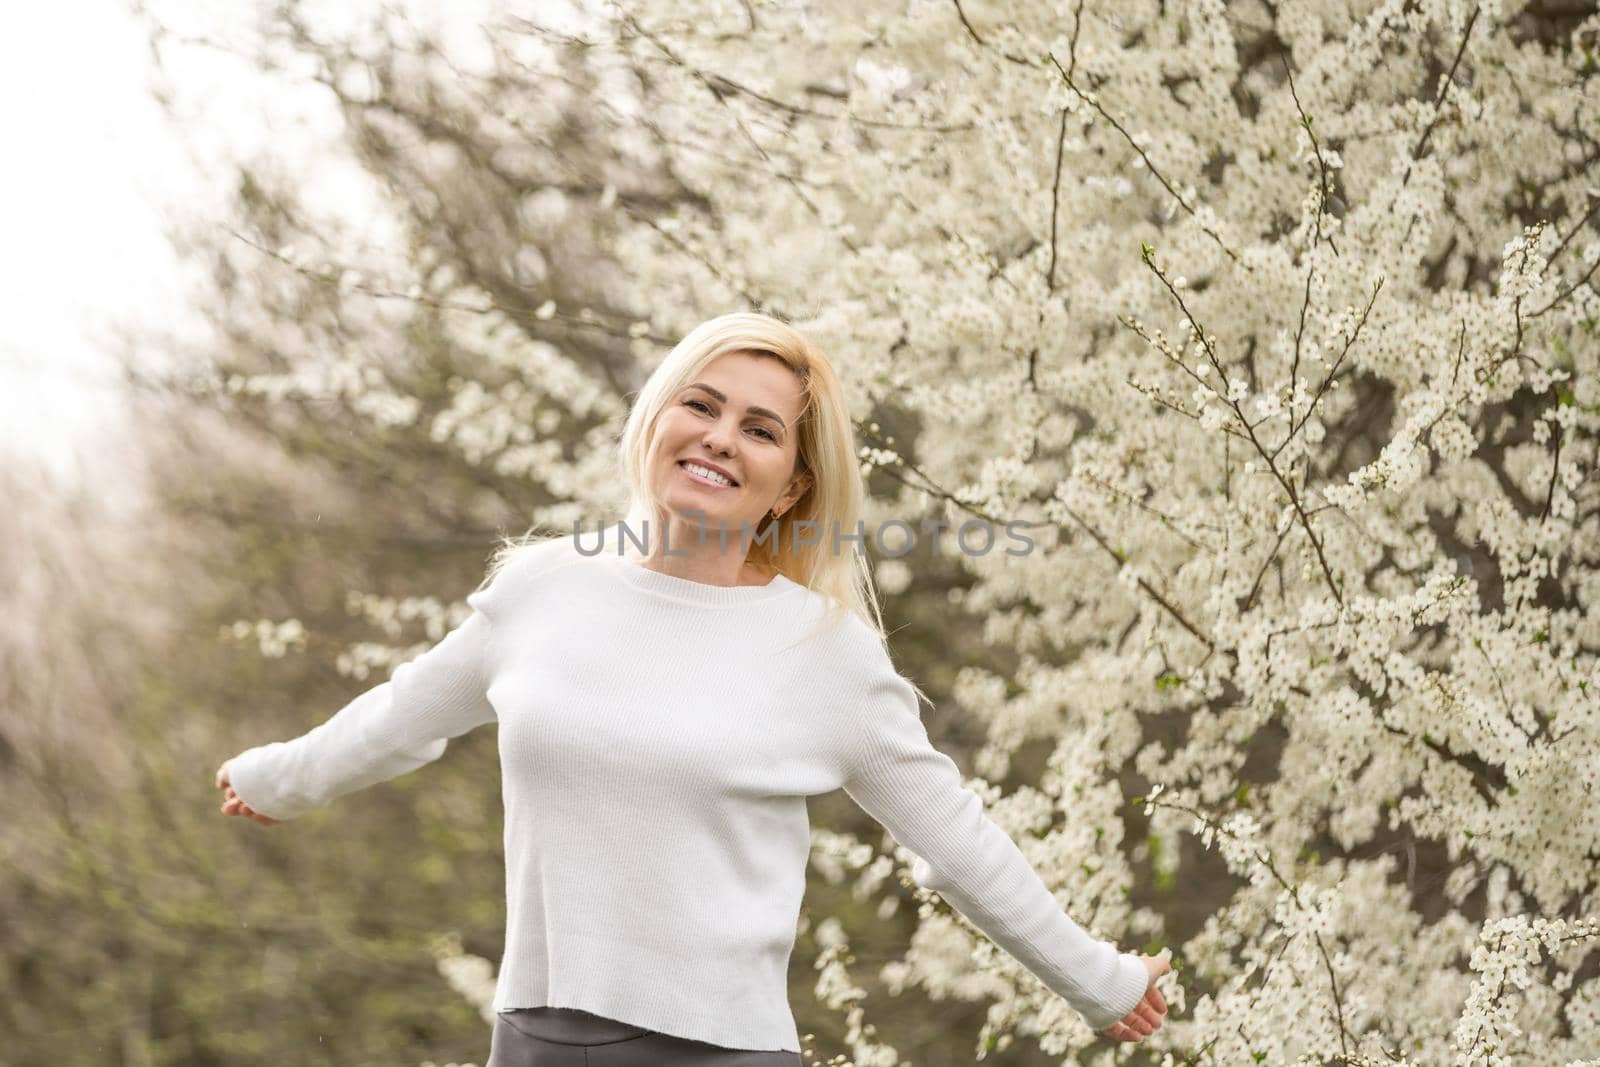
point(738, 417)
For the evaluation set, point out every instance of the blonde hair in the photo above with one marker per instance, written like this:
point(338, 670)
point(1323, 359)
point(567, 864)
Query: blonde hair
point(827, 452)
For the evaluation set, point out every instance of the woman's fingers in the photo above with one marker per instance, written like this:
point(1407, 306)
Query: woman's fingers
point(1147, 1016)
point(1138, 1024)
point(1155, 999)
point(1132, 1028)
point(235, 806)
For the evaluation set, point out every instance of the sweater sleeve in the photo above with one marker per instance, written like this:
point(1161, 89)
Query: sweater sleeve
point(389, 730)
point(896, 775)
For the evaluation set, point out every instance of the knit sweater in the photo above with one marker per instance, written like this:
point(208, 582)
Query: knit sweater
point(658, 738)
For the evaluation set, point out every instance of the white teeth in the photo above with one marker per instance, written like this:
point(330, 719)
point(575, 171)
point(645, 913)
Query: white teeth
point(707, 472)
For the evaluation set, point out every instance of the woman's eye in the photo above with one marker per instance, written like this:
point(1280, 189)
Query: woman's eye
point(701, 405)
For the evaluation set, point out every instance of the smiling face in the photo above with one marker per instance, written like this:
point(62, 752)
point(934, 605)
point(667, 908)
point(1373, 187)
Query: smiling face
point(737, 417)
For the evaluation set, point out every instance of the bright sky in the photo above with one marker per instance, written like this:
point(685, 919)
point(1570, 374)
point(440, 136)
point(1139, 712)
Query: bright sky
point(95, 169)
point(80, 240)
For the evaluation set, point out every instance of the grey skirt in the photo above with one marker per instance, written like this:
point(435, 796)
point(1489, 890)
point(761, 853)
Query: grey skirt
point(569, 1037)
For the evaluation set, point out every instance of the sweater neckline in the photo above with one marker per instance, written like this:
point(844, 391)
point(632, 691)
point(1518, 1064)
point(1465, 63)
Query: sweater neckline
point(639, 576)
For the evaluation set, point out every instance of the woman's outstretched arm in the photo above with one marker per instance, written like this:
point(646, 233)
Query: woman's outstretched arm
point(389, 730)
point(894, 774)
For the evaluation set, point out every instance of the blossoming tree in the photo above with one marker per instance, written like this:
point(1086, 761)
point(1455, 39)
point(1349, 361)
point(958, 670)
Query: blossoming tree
point(1281, 315)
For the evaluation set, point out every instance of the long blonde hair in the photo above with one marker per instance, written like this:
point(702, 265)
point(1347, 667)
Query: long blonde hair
point(827, 452)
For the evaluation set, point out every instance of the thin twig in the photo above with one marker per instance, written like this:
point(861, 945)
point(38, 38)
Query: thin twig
point(1148, 162)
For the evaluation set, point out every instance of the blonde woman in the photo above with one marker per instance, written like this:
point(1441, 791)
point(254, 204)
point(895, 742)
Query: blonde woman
point(668, 691)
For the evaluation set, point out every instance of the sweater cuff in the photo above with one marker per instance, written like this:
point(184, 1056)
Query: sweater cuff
point(1128, 986)
point(251, 786)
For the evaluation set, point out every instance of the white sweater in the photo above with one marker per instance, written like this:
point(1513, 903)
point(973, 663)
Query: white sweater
point(658, 740)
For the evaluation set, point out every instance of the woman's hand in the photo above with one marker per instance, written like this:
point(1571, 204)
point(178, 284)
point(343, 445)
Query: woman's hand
point(232, 805)
point(1145, 1018)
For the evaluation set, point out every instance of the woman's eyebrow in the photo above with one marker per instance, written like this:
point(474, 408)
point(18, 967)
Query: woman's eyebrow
point(754, 410)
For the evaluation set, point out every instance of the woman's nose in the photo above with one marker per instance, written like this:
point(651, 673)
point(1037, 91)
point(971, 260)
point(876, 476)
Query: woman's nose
point(717, 439)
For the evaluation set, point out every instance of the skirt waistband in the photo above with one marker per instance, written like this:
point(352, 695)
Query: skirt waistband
point(571, 1026)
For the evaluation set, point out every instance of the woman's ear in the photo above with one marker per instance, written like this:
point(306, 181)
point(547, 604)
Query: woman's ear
point(797, 489)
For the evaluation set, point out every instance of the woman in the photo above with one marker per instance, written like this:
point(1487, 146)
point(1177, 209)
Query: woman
point(666, 698)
